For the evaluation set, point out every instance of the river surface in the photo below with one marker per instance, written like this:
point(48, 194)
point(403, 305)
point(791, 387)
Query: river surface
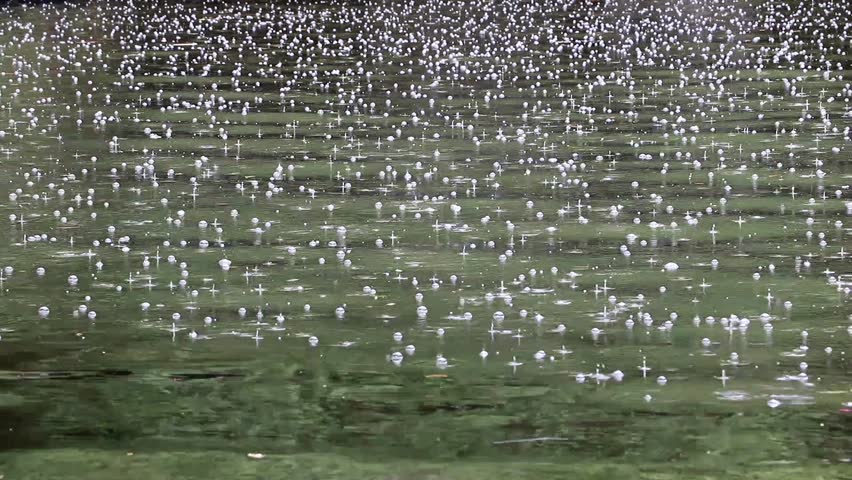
point(425, 239)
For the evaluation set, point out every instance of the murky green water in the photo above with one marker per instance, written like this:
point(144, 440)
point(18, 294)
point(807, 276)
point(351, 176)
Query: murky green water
point(535, 215)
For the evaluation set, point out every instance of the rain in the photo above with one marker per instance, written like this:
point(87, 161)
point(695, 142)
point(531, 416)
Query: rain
point(569, 233)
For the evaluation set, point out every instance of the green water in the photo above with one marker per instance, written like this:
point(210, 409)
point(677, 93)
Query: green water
point(135, 393)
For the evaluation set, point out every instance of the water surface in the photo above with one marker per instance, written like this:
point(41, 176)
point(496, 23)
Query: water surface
point(615, 228)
